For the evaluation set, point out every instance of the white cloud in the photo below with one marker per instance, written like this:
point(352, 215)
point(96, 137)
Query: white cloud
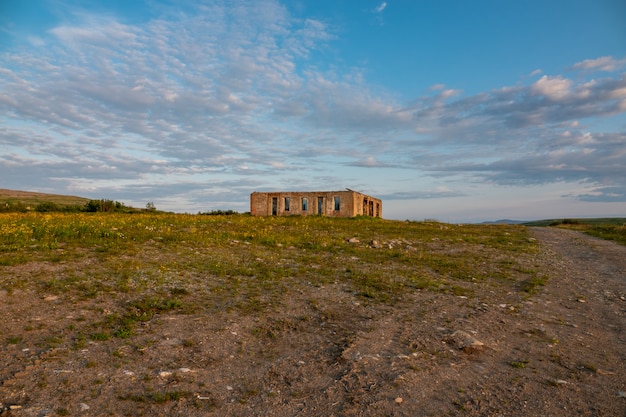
point(605, 63)
point(381, 7)
point(554, 88)
point(369, 162)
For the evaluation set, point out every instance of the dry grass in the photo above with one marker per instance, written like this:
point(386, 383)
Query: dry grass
point(188, 263)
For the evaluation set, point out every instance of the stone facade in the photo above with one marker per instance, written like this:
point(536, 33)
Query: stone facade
point(326, 203)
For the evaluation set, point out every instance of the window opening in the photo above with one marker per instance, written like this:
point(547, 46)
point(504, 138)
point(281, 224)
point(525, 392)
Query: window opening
point(337, 203)
point(305, 204)
point(286, 203)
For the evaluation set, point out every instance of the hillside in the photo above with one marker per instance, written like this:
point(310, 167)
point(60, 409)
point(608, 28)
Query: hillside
point(29, 198)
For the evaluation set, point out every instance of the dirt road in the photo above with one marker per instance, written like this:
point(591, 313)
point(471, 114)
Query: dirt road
point(559, 352)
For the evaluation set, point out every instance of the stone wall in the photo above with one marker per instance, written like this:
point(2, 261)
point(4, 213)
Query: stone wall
point(326, 203)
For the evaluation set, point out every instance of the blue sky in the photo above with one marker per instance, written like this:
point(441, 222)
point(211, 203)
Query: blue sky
point(451, 110)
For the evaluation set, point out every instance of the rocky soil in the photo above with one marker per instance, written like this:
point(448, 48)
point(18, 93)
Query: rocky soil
point(325, 352)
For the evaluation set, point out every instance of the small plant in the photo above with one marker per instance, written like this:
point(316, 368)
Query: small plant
point(14, 340)
point(532, 284)
point(123, 332)
point(519, 364)
point(80, 342)
point(99, 336)
point(155, 397)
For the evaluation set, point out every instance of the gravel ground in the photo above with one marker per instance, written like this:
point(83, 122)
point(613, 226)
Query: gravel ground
point(325, 352)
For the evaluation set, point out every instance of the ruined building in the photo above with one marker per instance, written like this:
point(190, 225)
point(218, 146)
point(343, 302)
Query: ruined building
point(326, 203)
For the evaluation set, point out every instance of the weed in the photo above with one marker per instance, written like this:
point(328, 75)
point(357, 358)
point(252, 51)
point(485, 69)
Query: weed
point(155, 397)
point(79, 342)
point(14, 340)
point(519, 364)
point(51, 341)
point(532, 284)
point(123, 332)
point(99, 336)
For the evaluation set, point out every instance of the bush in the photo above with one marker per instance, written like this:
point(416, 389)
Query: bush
point(219, 213)
point(47, 207)
point(106, 206)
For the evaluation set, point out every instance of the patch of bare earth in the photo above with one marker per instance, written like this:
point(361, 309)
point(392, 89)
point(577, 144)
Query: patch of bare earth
point(325, 351)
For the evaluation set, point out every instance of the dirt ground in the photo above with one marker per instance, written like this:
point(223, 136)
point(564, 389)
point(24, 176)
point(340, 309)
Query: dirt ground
point(326, 352)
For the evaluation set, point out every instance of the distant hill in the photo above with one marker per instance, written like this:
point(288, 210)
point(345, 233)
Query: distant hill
point(29, 198)
point(505, 221)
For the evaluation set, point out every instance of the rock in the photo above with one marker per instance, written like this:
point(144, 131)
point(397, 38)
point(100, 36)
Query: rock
point(353, 240)
point(375, 244)
point(399, 400)
point(465, 342)
point(83, 407)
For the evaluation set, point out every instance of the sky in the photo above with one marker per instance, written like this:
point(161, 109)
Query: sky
point(453, 110)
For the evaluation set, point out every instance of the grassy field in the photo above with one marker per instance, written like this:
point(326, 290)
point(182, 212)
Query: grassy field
point(176, 261)
point(606, 228)
point(152, 313)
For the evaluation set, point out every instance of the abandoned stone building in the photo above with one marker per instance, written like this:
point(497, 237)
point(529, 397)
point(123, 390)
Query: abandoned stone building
point(326, 203)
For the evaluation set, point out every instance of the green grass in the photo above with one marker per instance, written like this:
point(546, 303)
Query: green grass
point(533, 283)
point(519, 364)
point(617, 221)
point(615, 233)
point(147, 264)
point(605, 228)
point(246, 257)
point(155, 397)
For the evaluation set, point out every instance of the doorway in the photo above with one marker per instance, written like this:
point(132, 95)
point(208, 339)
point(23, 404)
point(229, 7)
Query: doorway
point(320, 205)
point(274, 206)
